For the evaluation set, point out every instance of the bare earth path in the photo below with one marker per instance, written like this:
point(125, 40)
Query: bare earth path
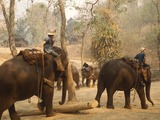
point(29, 111)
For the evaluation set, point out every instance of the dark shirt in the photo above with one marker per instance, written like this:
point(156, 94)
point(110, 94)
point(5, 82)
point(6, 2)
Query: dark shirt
point(48, 46)
point(141, 58)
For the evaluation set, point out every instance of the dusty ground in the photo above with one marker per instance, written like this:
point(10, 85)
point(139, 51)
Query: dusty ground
point(29, 111)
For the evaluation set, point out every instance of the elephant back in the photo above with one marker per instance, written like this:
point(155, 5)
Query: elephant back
point(33, 56)
point(134, 63)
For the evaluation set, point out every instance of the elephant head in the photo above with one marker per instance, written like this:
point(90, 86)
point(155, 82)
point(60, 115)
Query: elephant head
point(87, 73)
point(147, 80)
point(63, 57)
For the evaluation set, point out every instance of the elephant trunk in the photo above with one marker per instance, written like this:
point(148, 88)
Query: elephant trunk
point(148, 86)
point(64, 89)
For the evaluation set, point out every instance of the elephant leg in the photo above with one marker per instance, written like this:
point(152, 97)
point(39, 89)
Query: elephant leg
point(13, 114)
point(1, 112)
point(77, 85)
point(110, 98)
point(47, 100)
point(127, 99)
point(83, 81)
point(94, 80)
point(100, 90)
point(141, 95)
point(41, 106)
point(88, 81)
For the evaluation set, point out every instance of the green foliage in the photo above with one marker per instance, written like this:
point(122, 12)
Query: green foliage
point(105, 44)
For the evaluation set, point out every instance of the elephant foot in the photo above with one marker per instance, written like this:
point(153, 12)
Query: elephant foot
point(50, 114)
point(77, 87)
point(98, 106)
point(145, 106)
point(59, 89)
point(15, 117)
point(128, 107)
point(88, 86)
point(110, 106)
point(40, 106)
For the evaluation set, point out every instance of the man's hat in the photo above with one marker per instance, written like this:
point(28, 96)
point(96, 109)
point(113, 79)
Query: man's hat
point(51, 32)
point(142, 49)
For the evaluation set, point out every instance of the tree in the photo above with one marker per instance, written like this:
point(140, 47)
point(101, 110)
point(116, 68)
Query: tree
point(39, 18)
point(70, 83)
point(10, 25)
point(83, 24)
point(104, 28)
point(105, 44)
point(157, 5)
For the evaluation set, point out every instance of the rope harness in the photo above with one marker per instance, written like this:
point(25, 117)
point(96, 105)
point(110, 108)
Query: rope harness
point(136, 66)
point(37, 58)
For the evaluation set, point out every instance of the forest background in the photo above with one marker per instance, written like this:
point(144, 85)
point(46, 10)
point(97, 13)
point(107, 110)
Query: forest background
point(100, 29)
point(106, 29)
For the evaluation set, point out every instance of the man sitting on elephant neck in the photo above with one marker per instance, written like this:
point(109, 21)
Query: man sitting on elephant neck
point(48, 48)
point(142, 58)
point(86, 66)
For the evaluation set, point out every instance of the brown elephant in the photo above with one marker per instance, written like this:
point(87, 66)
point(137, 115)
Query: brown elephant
point(121, 75)
point(20, 80)
point(90, 74)
point(75, 75)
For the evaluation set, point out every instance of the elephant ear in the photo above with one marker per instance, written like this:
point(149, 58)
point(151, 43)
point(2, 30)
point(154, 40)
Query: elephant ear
point(134, 63)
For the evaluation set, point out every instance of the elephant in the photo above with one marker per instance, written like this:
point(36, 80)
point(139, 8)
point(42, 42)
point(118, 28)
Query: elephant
point(75, 75)
point(20, 80)
point(89, 73)
point(120, 75)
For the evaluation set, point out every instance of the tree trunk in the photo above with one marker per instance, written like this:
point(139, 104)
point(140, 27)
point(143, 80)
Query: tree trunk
point(70, 82)
point(158, 48)
point(83, 41)
point(156, 4)
point(10, 25)
point(82, 47)
point(11, 29)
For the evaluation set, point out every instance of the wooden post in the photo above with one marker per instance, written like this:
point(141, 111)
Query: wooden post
point(77, 106)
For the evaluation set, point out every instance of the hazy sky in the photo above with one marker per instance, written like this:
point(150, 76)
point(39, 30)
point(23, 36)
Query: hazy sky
point(21, 7)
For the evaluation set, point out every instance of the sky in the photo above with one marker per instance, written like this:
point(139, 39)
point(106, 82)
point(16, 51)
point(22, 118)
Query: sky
point(21, 7)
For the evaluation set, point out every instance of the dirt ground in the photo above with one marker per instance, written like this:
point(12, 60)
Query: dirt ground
point(29, 111)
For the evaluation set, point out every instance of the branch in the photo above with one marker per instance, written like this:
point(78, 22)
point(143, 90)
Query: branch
point(5, 15)
point(93, 6)
point(157, 7)
point(156, 4)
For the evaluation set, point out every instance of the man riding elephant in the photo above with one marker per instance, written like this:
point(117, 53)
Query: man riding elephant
point(48, 48)
point(89, 73)
point(141, 57)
